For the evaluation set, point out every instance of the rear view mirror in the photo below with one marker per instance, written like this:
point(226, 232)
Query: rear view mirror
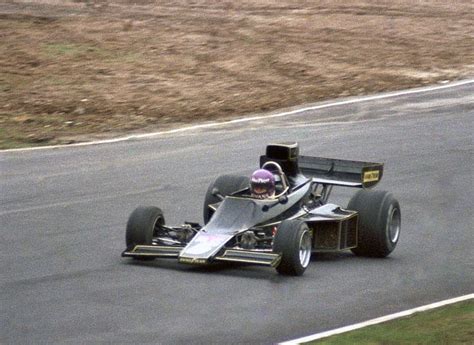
point(281, 200)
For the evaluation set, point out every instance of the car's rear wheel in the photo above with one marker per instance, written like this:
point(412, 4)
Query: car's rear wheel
point(293, 241)
point(142, 225)
point(226, 185)
point(379, 222)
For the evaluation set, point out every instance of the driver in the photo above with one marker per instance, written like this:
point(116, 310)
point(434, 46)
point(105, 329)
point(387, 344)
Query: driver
point(262, 184)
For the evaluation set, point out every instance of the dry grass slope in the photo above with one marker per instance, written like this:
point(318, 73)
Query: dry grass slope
point(74, 70)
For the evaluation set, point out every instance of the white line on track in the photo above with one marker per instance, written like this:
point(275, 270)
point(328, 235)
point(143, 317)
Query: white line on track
point(377, 320)
point(253, 118)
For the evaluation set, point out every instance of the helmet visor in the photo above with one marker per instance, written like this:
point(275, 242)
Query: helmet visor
point(263, 189)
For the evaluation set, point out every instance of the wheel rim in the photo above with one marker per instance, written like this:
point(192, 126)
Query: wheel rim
point(394, 225)
point(157, 226)
point(305, 249)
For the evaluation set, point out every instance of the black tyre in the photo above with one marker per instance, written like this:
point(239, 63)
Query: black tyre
point(379, 222)
point(293, 241)
point(226, 184)
point(142, 226)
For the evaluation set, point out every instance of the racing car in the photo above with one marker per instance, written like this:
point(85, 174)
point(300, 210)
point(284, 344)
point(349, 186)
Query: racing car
point(284, 230)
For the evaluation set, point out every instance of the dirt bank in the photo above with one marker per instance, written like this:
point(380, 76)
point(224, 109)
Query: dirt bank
point(75, 70)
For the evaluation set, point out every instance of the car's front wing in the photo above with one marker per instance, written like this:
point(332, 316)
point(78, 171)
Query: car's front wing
point(153, 251)
point(233, 255)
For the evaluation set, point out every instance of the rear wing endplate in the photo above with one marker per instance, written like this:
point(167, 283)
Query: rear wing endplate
point(341, 172)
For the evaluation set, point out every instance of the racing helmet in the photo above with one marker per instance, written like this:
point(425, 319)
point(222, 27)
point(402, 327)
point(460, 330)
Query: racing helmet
point(262, 184)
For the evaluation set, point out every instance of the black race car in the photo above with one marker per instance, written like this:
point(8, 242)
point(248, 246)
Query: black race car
point(281, 231)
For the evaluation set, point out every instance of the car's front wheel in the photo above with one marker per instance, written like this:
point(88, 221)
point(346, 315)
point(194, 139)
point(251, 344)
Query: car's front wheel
point(293, 241)
point(142, 225)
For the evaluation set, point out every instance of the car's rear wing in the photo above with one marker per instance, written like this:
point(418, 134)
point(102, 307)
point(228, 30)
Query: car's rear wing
point(326, 171)
point(341, 172)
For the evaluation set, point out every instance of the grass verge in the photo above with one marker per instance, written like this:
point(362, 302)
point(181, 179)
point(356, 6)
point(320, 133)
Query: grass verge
point(453, 324)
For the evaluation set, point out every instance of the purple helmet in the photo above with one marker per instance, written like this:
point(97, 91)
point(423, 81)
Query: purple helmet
point(262, 184)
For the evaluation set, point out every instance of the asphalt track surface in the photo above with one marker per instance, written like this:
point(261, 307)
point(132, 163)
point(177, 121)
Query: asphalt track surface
point(63, 214)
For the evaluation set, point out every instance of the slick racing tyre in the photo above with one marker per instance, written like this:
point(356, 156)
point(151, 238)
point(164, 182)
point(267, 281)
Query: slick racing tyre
point(379, 222)
point(142, 225)
point(226, 184)
point(293, 241)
